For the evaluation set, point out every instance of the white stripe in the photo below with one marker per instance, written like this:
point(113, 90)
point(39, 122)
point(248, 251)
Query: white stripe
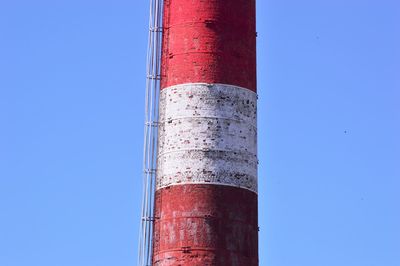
point(207, 134)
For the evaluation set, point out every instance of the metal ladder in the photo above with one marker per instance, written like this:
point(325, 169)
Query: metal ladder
point(150, 132)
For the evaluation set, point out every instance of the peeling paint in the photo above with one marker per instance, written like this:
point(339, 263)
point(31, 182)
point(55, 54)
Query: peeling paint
point(207, 134)
point(211, 225)
point(209, 41)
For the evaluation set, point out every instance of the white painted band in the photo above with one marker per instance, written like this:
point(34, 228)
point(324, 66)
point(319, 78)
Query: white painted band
point(207, 134)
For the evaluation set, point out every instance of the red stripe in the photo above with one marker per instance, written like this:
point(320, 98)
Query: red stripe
point(205, 225)
point(209, 41)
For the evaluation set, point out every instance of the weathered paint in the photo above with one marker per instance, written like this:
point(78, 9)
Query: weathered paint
point(209, 41)
point(207, 134)
point(206, 197)
point(199, 225)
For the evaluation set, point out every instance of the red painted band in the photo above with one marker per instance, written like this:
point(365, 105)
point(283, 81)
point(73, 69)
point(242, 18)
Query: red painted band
point(205, 225)
point(209, 41)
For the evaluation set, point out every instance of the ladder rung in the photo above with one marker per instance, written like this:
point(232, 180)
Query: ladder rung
point(151, 124)
point(155, 30)
point(150, 171)
point(148, 219)
point(157, 77)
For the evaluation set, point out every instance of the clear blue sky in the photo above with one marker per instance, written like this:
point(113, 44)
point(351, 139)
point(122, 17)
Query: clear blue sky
point(72, 76)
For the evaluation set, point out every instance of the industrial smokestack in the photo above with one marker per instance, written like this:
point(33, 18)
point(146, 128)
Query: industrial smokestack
point(206, 184)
